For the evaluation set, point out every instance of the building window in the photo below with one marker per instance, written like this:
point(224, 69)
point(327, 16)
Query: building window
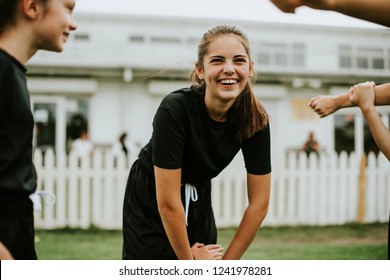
point(362, 62)
point(81, 37)
point(280, 59)
point(378, 63)
point(361, 58)
point(298, 55)
point(281, 55)
point(45, 125)
point(76, 119)
point(372, 58)
point(136, 38)
point(165, 40)
point(264, 59)
point(345, 57)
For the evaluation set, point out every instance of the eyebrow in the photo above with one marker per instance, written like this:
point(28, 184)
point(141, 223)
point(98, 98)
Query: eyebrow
point(221, 56)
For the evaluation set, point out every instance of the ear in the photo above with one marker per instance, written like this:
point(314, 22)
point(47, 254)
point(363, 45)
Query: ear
point(199, 71)
point(251, 69)
point(30, 8)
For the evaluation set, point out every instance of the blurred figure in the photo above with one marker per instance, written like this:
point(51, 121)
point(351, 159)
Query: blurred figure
point(311, 145)
point(120, 146)
point(123, 145)
point(377, 11)
point(82, 146)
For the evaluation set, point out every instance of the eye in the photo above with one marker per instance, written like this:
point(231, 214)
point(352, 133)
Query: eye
point(216, 60)
point(241, 60)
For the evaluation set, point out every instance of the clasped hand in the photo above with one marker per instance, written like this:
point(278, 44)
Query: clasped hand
point(206, 252)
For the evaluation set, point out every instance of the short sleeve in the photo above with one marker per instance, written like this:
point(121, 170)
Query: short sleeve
point(257, 152)
point(169, 135)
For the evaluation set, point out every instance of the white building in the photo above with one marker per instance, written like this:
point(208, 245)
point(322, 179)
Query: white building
point(115, 70)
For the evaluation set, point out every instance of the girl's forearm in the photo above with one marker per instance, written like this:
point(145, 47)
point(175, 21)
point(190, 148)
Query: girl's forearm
point(245, 234)
point(382, 94)
point(174, 225)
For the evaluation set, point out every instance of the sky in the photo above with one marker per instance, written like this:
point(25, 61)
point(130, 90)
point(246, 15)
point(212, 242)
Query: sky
point(253, 10)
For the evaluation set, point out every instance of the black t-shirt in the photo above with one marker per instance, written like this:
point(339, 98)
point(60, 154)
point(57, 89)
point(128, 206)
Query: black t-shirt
point(184, 136)
point(17, 172)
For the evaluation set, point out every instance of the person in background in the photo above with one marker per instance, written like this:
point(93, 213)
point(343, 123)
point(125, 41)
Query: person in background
point(376, 11)
point(197, 131)
point(82, 146)
point(26, 26)
point(311, 145)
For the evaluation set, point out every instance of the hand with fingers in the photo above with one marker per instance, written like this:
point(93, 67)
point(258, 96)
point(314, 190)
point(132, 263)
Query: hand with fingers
point(206, 252)
point(363, 95)
point(323, 105)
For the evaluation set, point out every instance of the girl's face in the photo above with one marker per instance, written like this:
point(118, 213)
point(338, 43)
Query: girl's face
point(56, 24)
point(226, 69)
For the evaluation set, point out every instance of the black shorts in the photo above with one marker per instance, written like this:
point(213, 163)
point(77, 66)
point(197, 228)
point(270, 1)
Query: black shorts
point(144, 237)
point(17, 232)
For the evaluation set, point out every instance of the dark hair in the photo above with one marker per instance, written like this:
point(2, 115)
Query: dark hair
point(247, 115)
point(8, 12)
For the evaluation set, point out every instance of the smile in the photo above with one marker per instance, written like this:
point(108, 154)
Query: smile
point(228, 81)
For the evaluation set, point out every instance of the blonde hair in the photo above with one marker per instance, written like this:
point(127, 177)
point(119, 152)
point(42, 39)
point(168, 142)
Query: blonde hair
point(247, 115)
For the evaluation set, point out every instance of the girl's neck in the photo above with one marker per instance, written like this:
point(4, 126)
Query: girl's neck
point(17, 43)
point(216, 109)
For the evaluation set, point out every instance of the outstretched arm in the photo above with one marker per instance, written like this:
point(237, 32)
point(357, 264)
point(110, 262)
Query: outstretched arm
point(376, 11)
point(362, 95)
point(258, 195)
point(325, 105)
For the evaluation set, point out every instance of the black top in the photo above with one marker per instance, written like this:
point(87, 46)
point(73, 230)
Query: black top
point(17, 172)
point(184, 136)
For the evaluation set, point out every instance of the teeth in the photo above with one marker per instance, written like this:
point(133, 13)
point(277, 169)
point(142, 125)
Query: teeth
point(228, 82)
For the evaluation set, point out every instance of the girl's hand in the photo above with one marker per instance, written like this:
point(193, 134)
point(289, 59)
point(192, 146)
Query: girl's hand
point(363, 95)
point(206, 252)
point(323, 105)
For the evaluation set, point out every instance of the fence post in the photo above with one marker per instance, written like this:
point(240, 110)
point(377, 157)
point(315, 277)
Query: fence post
point(362, 190)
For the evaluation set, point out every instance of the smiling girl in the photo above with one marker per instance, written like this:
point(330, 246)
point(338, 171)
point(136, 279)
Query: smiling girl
point(197, 132)
point(26, 26)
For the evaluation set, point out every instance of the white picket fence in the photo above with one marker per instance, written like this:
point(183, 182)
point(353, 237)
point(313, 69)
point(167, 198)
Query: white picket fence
point(304, 191)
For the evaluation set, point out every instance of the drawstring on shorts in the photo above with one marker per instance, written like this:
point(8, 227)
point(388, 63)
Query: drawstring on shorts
point(190, 194)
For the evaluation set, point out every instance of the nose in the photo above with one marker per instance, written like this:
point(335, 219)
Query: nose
point(73, 24)
point(228, 68)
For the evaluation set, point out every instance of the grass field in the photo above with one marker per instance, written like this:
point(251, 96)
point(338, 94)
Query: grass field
point(347, 242)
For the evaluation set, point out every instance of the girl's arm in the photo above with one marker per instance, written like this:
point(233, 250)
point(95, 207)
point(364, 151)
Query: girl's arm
point(324, 105)
point(168, 184)
point(258, 195)
point(362, 95)
point(376, 11)
point(4, 253)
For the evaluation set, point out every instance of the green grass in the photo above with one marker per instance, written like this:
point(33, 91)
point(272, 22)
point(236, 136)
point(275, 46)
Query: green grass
point(347, 242)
